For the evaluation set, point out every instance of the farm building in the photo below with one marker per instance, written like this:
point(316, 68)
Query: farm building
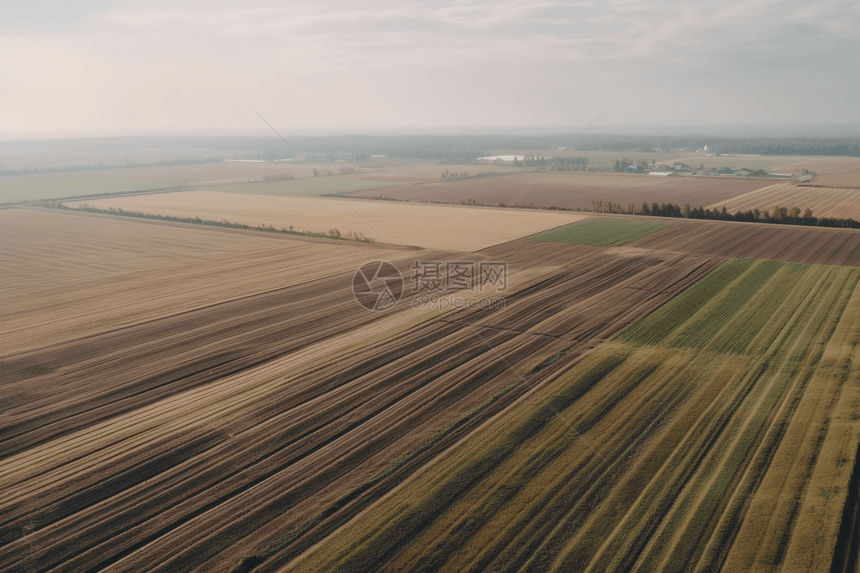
point(496, 159)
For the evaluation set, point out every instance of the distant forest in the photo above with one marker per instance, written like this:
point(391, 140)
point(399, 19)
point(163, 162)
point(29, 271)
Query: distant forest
point(443, 148)
point(127, 165)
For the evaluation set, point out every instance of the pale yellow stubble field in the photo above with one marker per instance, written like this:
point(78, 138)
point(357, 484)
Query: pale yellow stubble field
point(451, 227)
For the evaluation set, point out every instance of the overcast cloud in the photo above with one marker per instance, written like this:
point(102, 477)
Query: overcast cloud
point(195, 67)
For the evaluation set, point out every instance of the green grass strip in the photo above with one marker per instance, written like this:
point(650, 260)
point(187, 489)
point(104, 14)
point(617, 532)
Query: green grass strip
point(700, 332)
point(654, 329)
point(602, 232)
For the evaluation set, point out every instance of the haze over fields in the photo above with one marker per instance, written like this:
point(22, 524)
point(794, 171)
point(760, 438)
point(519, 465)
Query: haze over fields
point(89, 68)
point(554, 287)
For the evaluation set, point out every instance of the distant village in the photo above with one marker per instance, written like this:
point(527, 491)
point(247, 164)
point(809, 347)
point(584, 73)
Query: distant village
point(676, 169)
point(679, 169)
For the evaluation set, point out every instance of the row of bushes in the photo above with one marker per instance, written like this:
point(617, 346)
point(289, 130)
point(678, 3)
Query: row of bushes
point(332, 234)
point(779, 215)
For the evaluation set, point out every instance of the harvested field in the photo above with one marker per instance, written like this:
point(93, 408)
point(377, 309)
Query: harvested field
point(573, 190)
point(824, 202)
point(304, 187)
point(602, 232)
point(431, 226)
point(247, 430)
point(69, 275)
point(788, 243)
point(851, 180)
point(717, 434)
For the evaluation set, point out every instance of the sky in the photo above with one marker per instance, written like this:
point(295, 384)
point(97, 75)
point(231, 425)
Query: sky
point(87, 68)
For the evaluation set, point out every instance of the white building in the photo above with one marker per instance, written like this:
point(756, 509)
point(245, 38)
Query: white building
point(500, 159)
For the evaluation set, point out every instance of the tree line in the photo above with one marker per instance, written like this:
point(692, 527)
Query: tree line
point(778, 215)
point(470, 147)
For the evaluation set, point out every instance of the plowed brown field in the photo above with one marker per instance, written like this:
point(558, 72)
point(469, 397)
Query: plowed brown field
point(572, 190)
point(758, 241)
point(253, 427)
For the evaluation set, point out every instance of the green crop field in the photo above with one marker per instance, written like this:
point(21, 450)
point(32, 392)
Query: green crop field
point(302, 187)
point(603, 232)
point(714, 434)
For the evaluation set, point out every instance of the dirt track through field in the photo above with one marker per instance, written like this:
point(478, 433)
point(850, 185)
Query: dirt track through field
point(201, 437)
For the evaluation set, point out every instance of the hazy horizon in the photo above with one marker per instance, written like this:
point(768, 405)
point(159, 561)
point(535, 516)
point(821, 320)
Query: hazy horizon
point(716, 130)
point(187, 67)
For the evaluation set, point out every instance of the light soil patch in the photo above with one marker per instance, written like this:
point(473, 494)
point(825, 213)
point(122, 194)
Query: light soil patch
point(431, 226)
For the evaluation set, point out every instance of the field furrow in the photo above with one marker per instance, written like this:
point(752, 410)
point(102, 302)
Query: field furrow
point(707, 419)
